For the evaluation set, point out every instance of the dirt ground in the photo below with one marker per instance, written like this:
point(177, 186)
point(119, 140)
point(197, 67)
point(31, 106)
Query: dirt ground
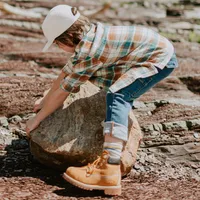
point(22, 177)
point(25, 73)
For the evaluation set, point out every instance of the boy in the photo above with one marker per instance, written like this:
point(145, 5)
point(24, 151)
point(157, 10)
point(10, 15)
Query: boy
point(124, 60)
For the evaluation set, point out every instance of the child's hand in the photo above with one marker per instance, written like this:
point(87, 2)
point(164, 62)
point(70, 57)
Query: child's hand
point(31, 124)
point(38, 105)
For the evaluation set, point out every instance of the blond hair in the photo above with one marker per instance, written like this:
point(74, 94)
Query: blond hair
point(73, 35)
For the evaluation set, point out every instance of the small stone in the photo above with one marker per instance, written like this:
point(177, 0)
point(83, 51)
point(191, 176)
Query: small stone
point(194, 166)
point(142, 156)
point(198, 171)
point(147, 4)
point(149, 113)
point(148, 143)
point(15, 119)
point(159, 103)
point(136, 166)
point(193, 124)
point(192, 14)
point(147, 168)
point(139, 104)
point(19, 132)
point(3, 153)
point(155, 133)
point(28, 116)
point(4, 131)
point(152, 159)
point(158, 127)
point(196, 135)
point(21, 75)
point(134, 173)
point(151, 105)
point(4, 121)
point(181, 25)
point(175, 126)
point(5, 136)
point(148, 128)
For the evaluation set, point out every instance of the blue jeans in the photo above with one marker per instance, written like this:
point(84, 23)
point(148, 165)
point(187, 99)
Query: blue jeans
point(119, 104)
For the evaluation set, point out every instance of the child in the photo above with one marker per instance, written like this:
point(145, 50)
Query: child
point(126, 61)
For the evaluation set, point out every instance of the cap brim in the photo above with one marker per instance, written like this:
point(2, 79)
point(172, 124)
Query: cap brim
point(47, 45)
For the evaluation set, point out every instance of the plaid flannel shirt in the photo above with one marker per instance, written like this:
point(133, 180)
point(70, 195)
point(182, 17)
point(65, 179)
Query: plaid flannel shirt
point(112, 57)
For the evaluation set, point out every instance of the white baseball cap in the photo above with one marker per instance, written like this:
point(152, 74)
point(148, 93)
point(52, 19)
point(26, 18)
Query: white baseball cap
point(57, 21)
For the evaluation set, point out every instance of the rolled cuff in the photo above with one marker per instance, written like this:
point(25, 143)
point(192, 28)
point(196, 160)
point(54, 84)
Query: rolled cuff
point(68, 88)
point(116, 130)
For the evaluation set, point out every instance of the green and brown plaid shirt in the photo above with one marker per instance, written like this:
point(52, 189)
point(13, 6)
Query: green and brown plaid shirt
point(112, 57)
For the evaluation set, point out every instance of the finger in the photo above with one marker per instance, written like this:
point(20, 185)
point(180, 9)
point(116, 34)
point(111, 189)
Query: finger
point(27, 132)
point(36, 108)
point(28, 136)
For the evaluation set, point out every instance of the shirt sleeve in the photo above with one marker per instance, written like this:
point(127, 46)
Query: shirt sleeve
point(81, 72)
point(67, 69)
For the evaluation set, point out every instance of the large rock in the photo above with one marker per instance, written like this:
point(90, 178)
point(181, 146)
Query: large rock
point(73, 135)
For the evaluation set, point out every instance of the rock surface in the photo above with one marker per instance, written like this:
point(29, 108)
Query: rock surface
point(73, 135)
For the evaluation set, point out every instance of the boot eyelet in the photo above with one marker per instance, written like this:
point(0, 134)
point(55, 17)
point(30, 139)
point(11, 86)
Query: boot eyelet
point(88, 174)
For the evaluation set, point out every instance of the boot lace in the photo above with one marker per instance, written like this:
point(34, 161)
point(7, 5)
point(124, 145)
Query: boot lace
point(97, 163)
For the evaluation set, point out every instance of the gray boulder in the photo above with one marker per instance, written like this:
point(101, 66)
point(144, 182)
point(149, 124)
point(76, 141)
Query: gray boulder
point(72, 136)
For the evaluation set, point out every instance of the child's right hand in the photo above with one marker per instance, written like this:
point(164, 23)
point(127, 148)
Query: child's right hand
point(38, 105)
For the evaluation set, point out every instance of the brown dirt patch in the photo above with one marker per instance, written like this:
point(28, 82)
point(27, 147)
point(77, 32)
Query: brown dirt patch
point(21, 177)
point(29, 67)
point(51, 59)
point(21, 32)
point(18, 94)
point(54, 188)
point(11, 45)
point(193, 83)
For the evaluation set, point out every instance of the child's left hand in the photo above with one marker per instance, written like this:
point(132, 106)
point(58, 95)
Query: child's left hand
point(31, 124)
point(38, 104)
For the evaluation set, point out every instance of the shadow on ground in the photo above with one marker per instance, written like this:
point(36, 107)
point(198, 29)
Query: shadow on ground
point(18, 163)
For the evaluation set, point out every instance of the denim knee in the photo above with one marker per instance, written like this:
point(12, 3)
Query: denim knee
point(117, 108)
point(117, 111)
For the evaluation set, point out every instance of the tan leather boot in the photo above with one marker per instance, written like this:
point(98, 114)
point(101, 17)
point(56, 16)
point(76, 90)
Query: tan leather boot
point(96, 176)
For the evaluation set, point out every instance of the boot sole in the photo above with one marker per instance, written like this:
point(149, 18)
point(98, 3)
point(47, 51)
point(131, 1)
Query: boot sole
point(108, 190)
